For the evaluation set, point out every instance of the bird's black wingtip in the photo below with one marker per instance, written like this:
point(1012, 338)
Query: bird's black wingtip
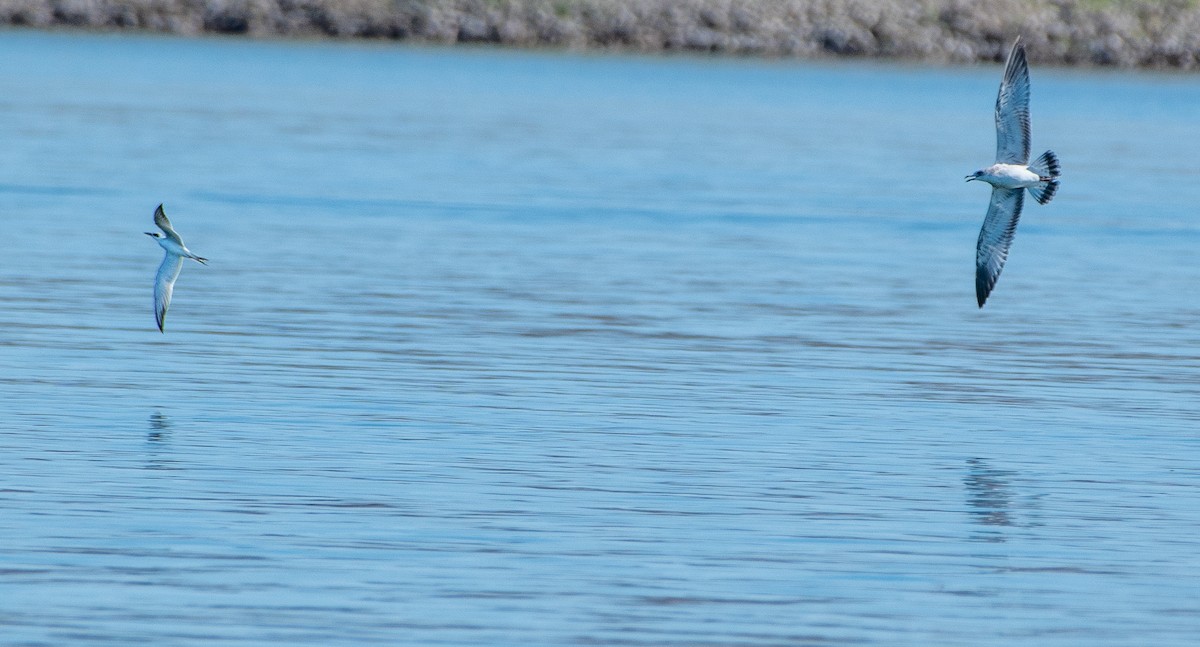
point(982, 289)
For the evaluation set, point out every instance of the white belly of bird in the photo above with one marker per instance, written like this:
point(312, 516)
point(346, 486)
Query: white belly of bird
point(1010, 176)
point(173, 247)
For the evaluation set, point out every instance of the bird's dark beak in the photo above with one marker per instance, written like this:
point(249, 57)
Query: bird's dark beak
point(149, 233)
point(972, 177)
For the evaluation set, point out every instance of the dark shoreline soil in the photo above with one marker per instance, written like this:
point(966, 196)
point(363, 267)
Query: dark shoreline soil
point(1125, 33)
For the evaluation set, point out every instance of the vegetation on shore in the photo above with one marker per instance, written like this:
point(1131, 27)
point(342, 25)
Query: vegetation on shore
point(1128, 33)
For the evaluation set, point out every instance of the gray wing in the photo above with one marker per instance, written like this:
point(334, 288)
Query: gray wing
point(164, 285)
point(160, 219)
point(1012, 110)
point(995, 238)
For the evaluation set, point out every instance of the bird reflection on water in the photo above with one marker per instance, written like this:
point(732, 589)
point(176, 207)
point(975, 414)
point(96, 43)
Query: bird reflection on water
point(157, 440)
point(990, 498)
point(160, 426)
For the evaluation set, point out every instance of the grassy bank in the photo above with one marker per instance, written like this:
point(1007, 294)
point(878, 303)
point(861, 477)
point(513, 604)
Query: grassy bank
point(1129, 33)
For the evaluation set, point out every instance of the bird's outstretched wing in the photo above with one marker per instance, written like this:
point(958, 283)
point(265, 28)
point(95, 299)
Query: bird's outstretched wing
point(160, 219)
point(995, 238)
point(1012, 110)
point(164, 285)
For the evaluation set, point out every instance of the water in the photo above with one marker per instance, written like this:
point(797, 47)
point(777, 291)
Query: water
point(504, 348)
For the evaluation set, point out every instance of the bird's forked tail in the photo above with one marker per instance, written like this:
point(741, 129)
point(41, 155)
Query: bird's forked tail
point(1046, 167)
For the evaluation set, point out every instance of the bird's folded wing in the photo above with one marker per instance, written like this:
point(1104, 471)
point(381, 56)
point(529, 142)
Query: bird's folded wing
point(1012, 110)
point(995, 238)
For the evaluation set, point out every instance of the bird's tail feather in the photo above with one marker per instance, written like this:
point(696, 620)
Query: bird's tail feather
point(199, 259)
point(1044, 192)
point(1046, 166)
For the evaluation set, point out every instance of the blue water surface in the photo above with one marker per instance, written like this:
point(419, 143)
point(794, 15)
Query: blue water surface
point(537, 348)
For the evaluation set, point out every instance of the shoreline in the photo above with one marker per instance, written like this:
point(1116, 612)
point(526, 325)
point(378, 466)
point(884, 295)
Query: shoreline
point(1152, 34)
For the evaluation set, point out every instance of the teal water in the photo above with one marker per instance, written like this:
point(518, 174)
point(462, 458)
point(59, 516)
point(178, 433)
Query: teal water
point(512, 348)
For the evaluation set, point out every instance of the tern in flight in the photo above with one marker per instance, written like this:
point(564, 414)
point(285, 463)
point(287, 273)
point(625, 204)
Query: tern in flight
point(164, 282)
point(1011, 175)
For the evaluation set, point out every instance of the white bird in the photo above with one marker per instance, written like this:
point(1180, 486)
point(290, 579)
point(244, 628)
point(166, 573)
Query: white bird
point(1011, 175)
point(164, 281)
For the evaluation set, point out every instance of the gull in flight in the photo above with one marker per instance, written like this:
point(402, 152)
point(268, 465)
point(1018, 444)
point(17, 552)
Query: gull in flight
point(1011, 175)
point(164, 282)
